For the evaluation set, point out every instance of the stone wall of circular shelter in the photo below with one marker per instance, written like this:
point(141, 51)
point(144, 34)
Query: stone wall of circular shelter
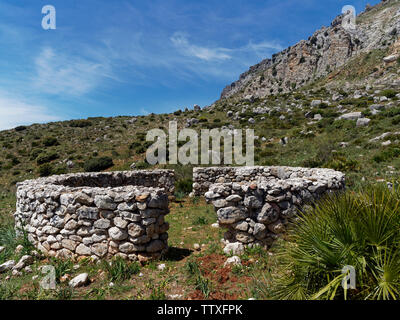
point(256, 204)
point(97, 215)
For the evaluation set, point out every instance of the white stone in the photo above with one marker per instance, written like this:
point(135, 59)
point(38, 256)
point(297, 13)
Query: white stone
point(23, 262)
point(391, 58)
point(161, 267)
point(6, 266)
point(235, 260)
point(350, 116)
point(363, 122)
point(235, 248)
point(79, 280)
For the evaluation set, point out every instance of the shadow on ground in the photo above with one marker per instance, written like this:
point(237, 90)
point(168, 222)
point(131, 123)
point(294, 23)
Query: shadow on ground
point(177, 254)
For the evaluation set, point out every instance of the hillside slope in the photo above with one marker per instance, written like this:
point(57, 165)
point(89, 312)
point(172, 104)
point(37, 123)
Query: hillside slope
point(347, 120)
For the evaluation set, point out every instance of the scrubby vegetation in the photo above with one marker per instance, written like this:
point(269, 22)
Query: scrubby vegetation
point(358, 229)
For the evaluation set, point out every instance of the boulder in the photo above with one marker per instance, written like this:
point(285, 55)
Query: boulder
point(6, 266)
point(79, 281)
point(350, 116)
point(363, 122)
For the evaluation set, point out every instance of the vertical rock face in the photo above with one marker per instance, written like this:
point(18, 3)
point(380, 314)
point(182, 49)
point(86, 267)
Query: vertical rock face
point(69, 216)
point(256, 211)
point(326, 50)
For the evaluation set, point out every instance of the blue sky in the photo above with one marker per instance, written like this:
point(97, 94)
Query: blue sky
point(129, 57)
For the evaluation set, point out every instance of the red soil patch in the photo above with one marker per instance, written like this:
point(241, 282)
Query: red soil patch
point(225, 284)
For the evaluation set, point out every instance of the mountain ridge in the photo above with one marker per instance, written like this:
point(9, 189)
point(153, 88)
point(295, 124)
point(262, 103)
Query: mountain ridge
point(328, 49)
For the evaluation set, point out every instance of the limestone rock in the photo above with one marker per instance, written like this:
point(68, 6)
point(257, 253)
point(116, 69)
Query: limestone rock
point(79, 281)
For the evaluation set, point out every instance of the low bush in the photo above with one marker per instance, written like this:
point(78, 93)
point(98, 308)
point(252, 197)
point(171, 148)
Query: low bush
point(50, 141)
point(387, 155)
point(46, 157)
point(142, 165)
point(341, 163)
point(20, 128)
point(98, 164)
point(45, 170)
point(80, 123)
point(184, 186)
point(389, 93)
point(352, 229)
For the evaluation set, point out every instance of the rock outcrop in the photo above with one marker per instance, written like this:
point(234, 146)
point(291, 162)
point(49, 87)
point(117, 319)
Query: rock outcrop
point(326, 50)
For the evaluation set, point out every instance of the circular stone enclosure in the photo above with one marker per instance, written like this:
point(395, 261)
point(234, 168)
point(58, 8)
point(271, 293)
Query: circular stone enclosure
point(98, 215)
point(257, 210)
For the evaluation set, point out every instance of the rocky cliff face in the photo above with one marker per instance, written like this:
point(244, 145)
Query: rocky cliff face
point(326, 50)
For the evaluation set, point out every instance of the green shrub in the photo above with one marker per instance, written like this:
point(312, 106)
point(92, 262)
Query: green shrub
point(389, 93)
point(80, 123)
point(396, 120)
point(184, 185)
point(135, 145)
point(392, 112)
point(201, 221)
point(142, 165)
point(20, 128)
point(45, 170)
point(351, 229)
point(341, 163)
point(46, 157)
point(50, 141)
point(387, 155)
point(98, 164)
point(60, 170)
point(34, 153)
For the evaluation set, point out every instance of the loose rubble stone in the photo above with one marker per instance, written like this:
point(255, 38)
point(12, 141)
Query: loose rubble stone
point(6, 266)
point(79, 281)
point(363, 122)
point(235, 248)
point(23, 262)
point(235, 261)
point(350, 116)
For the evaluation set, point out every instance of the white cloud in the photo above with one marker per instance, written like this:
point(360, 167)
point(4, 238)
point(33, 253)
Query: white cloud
point(262, 49)
point(57, 73)
point(14, 112)
point(144, 112)
point(203, 53)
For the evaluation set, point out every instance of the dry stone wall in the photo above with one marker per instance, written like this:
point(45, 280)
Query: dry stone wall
point(97, 214)
point(256, 204)
point(203, 178)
